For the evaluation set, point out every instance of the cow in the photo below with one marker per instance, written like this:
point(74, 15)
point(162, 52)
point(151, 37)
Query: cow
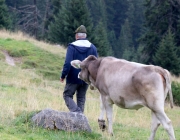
point(129, 85)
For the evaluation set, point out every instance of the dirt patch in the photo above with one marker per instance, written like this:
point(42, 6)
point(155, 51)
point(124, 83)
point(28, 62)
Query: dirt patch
point(11, 60)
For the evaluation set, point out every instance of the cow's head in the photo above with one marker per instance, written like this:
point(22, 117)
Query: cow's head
point(86, 66)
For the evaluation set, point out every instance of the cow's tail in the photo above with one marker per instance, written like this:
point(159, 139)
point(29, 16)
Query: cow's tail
point(166, 75)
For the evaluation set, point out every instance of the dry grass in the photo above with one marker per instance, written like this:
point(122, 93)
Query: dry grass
point(55, 49)
point(175, 78)
point(22, 95)
point(19, 93)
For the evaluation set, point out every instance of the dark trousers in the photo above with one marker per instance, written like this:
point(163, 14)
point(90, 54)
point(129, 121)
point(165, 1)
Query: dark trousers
point(68, 93)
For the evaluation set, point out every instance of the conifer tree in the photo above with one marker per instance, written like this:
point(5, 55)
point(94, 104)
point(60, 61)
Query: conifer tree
point(139, 55)
point(127, 54)
point(135, 16)
point(113, 41)
point(160, 15)
point(116, 14)
point(101, 41)
point(5, 21)
point(166, 55)
point(72, 14)
point(125, 39)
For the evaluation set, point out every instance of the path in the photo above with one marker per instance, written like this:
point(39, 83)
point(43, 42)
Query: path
point(9, 59)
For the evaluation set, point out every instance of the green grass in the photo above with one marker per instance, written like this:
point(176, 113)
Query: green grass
point(45, 63)
point(33, 85)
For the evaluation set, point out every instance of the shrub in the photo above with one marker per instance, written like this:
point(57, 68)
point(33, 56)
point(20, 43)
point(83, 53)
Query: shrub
point(176, 92)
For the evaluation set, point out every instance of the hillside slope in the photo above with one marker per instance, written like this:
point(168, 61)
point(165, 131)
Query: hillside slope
point(32, 84)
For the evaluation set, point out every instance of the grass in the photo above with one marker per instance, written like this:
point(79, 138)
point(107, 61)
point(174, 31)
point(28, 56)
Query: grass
point(25, 90)
point(44, 62)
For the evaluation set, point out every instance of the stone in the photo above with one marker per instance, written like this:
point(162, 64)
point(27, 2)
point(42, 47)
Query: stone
point(67, 121)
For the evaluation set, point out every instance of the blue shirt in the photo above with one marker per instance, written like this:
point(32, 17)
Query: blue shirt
point(77, 50)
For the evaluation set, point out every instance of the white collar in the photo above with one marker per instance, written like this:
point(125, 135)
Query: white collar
point(82, 43)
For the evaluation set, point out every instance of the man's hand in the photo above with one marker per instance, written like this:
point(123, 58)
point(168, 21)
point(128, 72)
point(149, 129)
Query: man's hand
point(61, 80)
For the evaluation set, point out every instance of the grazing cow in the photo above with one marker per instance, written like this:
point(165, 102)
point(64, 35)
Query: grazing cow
point(129, 85)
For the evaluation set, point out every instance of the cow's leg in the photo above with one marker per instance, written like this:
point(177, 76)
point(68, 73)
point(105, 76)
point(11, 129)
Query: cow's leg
point(166, 122)
point(158, 108)
point(154, 125)
point(101, 121)
point(109, 111)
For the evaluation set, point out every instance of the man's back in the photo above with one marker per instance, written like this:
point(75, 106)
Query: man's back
point(77, 50)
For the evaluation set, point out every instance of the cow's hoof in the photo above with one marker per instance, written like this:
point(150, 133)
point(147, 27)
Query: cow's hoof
point(102, 124)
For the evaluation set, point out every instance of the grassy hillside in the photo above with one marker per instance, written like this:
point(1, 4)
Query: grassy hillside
point(33, 84)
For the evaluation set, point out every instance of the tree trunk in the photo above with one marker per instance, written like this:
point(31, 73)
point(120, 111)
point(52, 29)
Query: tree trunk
point(35, 20)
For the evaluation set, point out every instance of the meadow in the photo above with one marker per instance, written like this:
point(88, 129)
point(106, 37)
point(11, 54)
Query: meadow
point(33, 85)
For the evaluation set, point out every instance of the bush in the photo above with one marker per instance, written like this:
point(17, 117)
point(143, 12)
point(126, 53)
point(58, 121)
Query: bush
point(176, 92)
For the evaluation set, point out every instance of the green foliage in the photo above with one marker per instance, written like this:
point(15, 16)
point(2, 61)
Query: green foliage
point(46, 64)
point(116, 14)
point(72, 14)
point(166, 54)
point(5, 21)
point(125, 41)
point(101, 41)
point(160, 17)
point(98, 12)
point(139, 56)
point(176, 92)
point(56, 6)
point(117, 49)
point(57, 20)
point(24, 118)
point(128, 54)
point(135, 16)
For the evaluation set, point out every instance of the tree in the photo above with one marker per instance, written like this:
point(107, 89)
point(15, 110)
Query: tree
point(72, 14)
point(135, 16)
point(97, 10)
point(29, 18)
point(101, 40)
point(125, 39)
point(161, 15)
point(113, 43)
point(166, 54)
point(5, 21)
point(128, 53)
point(116, 14)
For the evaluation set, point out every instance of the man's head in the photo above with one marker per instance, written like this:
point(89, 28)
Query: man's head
point(81, 32)
point(81, 29)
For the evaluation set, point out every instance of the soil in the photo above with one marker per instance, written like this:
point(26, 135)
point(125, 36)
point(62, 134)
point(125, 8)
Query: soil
point(9, 59)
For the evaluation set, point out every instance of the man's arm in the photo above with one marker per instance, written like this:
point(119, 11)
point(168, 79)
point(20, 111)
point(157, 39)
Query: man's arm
point(67, 65)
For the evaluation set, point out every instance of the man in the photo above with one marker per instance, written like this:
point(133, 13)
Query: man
point(77, 50)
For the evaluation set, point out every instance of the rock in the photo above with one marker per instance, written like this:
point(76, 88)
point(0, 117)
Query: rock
point(67, 121)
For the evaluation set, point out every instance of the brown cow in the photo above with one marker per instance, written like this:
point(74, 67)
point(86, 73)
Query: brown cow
point(129, 85)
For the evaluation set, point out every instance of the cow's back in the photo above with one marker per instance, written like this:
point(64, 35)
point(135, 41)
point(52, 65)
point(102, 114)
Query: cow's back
point(126, 83)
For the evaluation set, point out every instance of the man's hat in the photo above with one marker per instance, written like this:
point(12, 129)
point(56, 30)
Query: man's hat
point(81, 29)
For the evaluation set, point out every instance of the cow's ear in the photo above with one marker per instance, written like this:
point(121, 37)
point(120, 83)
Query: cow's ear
point(76, 64)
